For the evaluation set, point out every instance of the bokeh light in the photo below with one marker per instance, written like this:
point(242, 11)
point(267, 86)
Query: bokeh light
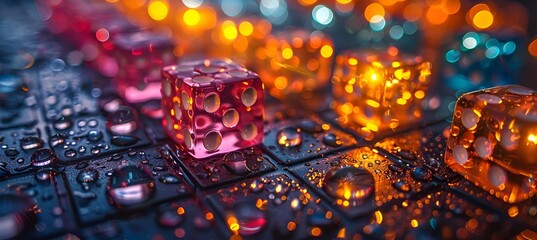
point(532, 48)
point(191, 17)
point(372, 10)
point(191, 3)
point(322, 14)
point(158, 10)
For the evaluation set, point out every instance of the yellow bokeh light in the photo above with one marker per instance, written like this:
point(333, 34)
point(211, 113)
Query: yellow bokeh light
point(483, 19)
point(287, 53)
point(436, 16)
point(306, 2)
point(327, 51)
point(246, 28)
point(191, 17)
point(372, 10)
point(158, 10)
point(134, 4)
point(229, 30)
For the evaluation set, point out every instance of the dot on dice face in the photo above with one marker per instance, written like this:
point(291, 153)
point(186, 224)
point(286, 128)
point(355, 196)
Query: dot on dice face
point(212, 106)
point(493, 140)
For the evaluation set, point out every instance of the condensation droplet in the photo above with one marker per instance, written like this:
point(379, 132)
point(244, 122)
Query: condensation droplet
point(230, 118)
point(211, 103)
point(249, 96)
point(212, 140)
point(249, 132)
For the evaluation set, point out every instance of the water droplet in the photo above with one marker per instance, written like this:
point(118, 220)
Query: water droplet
point(332, 140)
point(289, 137)
point(62, 123)
point(408, 155)
point(251, 220)
point(122, 121)
point(124, 141)
point(169, 218)
point(310, 126)
point(56, 140)
point(43, 157)
point(230, 118)
point(421, 173)
point(88, 175)
point(401, 186)
point(130, 185)
point(349, 183)
point(32, 142)
point(94, 136)
point(16, 212)
point(212, 140)
point(170, 179)
point(249, 96)
point(202, 79)
point(11, 152)
point(235, 162)
point(44, 174)
point(396, 168)
point(70, 153)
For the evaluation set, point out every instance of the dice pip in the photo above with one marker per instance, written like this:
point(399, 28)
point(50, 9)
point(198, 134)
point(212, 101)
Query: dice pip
point(493, 141)
point(212, 106)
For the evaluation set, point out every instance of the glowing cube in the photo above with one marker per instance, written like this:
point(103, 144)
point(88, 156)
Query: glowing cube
point(379, 91)
point(212, 106)
point(493, 141)
point(295, 62)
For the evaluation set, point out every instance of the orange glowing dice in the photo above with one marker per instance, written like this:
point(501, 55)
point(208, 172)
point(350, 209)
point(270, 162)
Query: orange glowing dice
point(493, 141)
point(377, 91)
point(295, 62)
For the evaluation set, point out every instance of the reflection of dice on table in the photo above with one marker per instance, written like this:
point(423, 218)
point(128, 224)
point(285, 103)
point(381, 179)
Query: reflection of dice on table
point(212, 106)
point(493, 141)
point(379, 91)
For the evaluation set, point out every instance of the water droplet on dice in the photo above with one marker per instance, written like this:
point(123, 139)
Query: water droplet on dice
point(235, 162)
point(94, 136)
point(460, 154)
point(202, 79)
point(122, 121)
point(16, 212)
point(62, 123)
point(28, 143)
point(238, 73)
point(43, 157)
point(332, 140)
point(250, 219)
point(87, 175)
point(211, 103)
point(349, 183)
point(289, 137)
point(421, 173)
point(249, 96)
point(212, 140)
point(130, 185)
point(230, 118)
point(124, 141)
point(170, 179)
point(401, 186)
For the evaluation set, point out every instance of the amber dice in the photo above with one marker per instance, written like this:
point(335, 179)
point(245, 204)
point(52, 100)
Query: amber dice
point(295, 62)
point(212, 106)
point(493, 141)
point(377, 91)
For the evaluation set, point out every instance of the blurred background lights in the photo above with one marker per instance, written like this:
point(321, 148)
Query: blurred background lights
point(377, 23)
point(232, 8)
point(274, 10)
point(322, 15)
point(158, 10)
point(509, 48)
point(532, 48)
point(483, 19)
point(192, 3)
point(396, 32)
point(453, 56)
point(372, 10)
point(492, 52)
point(470, 40)
point(191, 17)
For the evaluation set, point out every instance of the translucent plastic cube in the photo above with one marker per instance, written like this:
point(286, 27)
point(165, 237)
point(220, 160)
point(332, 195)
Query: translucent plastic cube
point(493, 141)
point(295, 63)
point(212, 106)
point(378, 91)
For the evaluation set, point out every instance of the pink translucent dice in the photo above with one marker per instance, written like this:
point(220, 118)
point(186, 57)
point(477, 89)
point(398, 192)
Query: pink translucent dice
point(212, 106)
point(140, 57)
